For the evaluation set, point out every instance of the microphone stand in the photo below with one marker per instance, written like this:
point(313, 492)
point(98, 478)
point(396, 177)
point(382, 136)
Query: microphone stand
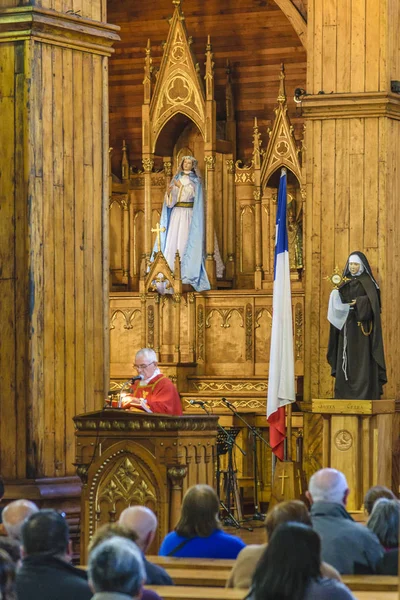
point(258, 516)
point(230, 443)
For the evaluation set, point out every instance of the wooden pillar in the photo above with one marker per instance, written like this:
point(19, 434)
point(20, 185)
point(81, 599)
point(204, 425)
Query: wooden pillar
point(54, 194)
point(177, 327)
point(353, 179)
point(210, 144)
point(230, 264)
point(209, 161)
point(176, 475)
point(148, 164)
point(258, 275)
point(167, 164)
point(126, 240)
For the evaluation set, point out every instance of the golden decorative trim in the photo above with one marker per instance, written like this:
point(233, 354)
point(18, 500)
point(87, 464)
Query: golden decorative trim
point(210, 161)
point(298, 319)
point(259, 313)
point(148, 164)
point(249, 332)
point(349, 407)
point(230, 386)
point(230, 166)
point(128, 315)
point(126, 421)
point(200, 333)
point(150, 326)
point(56, 28)
point(343, 440)
point(253, 403)
point(355, 105)
point(226, 315)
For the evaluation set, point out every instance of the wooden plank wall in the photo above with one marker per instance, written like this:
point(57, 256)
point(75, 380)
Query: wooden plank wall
point(255, 36)
point(84, 8)
point(52, 218)
point(353, 177)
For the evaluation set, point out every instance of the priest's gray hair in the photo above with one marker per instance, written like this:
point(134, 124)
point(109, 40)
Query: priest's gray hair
point(116, 565)
point(328, 485)
point(148, 354)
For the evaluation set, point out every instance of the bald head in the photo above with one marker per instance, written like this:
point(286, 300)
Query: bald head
point(142, 521)
point(328, 485)
point(15, 514)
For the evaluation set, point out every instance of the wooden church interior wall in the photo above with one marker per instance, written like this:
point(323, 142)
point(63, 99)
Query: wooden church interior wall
point(255, 39)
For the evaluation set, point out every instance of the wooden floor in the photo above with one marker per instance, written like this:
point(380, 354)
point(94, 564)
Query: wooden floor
point(256, 536)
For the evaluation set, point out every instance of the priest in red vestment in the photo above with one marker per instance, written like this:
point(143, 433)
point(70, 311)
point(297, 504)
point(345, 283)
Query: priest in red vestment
point(154, 393)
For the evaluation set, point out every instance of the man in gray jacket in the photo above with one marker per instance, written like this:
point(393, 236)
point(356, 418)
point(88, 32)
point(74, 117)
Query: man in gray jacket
point(346, 545)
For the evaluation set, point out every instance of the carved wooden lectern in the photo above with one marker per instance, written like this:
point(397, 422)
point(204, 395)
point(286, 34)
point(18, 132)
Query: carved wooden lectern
point(126, 458)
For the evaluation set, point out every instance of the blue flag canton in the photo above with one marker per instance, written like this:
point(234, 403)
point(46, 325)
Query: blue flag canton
point(281, 244)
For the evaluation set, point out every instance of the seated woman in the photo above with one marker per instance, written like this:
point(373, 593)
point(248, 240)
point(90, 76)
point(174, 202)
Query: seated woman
point(246, 563)
point(384, 522)
point(290, 568)
point(198, 533)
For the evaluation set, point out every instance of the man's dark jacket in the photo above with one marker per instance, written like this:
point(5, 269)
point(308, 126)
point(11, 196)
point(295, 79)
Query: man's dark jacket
point(346, 545)
point(45, 577)
point(156, 575)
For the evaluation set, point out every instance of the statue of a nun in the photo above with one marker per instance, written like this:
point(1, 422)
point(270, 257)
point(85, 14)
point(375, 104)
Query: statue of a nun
point(183, 218)
point(355, 350)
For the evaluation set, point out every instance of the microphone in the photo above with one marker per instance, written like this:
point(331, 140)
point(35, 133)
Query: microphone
point(133, 379)
point(225, 401)
point(198, 402)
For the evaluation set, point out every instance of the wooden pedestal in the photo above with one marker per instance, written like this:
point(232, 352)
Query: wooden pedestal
point(126, 458)
point(359, 438)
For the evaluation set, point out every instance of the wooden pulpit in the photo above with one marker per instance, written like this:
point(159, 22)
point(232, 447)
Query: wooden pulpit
point(127, 458)
point(359, 438)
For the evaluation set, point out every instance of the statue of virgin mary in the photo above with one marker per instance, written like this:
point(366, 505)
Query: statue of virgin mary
point(183, 218)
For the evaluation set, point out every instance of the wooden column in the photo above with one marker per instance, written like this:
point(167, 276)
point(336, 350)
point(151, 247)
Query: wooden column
point(230, 264)
point(210, 222)
point(148, 164)
point(353, 179)
point(53, 231)
point(210, 143)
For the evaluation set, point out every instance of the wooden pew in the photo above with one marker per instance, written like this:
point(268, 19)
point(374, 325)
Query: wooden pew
point(202, 572)
point(212, 593)
point(380, 583)
point(190, 563)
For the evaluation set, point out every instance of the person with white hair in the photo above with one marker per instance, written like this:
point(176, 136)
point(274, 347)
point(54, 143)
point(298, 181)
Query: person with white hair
point(153, 392)
point(355, 350)
point(15, 514)
point(143, 522)
point(346, 545)
point(116, 570)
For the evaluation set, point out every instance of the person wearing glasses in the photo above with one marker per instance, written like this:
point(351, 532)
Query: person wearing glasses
point(154, 392)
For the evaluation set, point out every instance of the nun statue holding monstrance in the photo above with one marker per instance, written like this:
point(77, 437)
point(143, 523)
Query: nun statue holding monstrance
point(355, 350)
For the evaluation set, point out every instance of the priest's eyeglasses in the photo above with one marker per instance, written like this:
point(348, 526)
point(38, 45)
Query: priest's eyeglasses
point(143, 367)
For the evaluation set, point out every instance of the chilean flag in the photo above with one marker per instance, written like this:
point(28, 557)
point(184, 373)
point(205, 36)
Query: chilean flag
point(281, 388)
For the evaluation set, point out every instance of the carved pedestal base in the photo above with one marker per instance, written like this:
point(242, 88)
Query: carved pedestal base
point(359, 438)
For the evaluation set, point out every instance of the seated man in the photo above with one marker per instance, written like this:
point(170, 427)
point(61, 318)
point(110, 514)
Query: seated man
point(154, 393)
point(143, 522)
point(15, 514)
point(116, 571)
point(346, 545)
point(46, 572)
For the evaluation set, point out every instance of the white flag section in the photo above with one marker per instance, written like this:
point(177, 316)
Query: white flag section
point(281, 387)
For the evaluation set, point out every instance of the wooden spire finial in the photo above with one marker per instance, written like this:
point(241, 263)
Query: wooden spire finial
point(282, 91)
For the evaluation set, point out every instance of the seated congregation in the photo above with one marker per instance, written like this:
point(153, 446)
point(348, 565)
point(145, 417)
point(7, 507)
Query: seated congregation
point(306, 554)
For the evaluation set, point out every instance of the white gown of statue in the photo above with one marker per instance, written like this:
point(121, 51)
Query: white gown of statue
point(180, 199)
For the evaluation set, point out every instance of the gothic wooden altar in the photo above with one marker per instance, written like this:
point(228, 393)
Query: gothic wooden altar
point(212, 344)
point(126, 458)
